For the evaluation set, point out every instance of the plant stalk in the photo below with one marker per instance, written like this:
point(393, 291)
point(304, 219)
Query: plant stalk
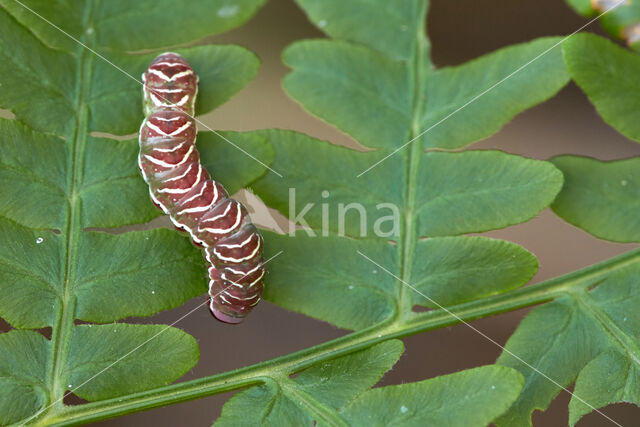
point(295, 362)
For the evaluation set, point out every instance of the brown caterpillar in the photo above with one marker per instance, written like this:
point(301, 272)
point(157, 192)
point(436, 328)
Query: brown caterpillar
point(183, 189)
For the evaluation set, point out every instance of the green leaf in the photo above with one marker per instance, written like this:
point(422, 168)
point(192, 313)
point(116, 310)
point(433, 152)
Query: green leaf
point(326, 278)
point(314, 394)
point(131, 354)
point(116, 100)
point(372, 106)
point(605, 72)
point(154, 270)
point(489, 91)
point(395, 199)
point(468, 398)
point(114, 193)
point(31, 274)
point(233, 163)
point(491, 189)
point(388, 27)
point(23, 388)
point(124, 26)
point(453, 270)
point(60, 178)
point(35, 164)
point(588, 335)
point(481, 190)
point(602, 198)
point(371, 95)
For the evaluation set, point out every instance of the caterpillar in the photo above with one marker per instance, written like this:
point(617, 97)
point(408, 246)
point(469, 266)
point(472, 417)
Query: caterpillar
point(182, 188)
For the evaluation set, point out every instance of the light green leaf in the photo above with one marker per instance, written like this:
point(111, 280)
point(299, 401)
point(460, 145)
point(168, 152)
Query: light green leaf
point(605, 72)
point(370, 93)
point(325, 278)
point(320, 390)
point(481, 190)
point(388, 27)
point(393, 199)
point(129, 355)
point(588, 335)
point(468, 398)
point(612, 371)
point(453, 270)
point(23, 389)
point(490, 91)
point(602, 198)
point(583, 7)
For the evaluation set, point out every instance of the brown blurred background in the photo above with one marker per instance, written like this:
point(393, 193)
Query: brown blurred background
point(459, 30)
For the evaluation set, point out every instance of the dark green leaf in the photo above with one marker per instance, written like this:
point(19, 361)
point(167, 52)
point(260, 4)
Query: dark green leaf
point(130, 356)
point(230, 157)
point(58, 178)
point(23, 388)
point(463, 192)
point(34, 164)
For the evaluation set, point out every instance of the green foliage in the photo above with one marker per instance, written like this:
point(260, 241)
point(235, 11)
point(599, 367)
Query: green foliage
point(59, 179)
point(606, 73)
point(314, 393)
point(467, 398)
point(384, 101)
point(588, 335)
point(602, 198)
point(335, 392)
point(371, 78)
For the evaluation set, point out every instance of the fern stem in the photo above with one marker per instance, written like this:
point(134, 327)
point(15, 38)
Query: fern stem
point(65, 313)
point(286, 365)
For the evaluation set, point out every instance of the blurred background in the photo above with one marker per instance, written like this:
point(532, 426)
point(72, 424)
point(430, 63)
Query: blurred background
point(459, 30)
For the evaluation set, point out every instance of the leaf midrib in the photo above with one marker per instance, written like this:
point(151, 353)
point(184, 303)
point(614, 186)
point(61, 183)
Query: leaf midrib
point(65, 311)
point(323, 411)
point(408, 234)
point(593, 311)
